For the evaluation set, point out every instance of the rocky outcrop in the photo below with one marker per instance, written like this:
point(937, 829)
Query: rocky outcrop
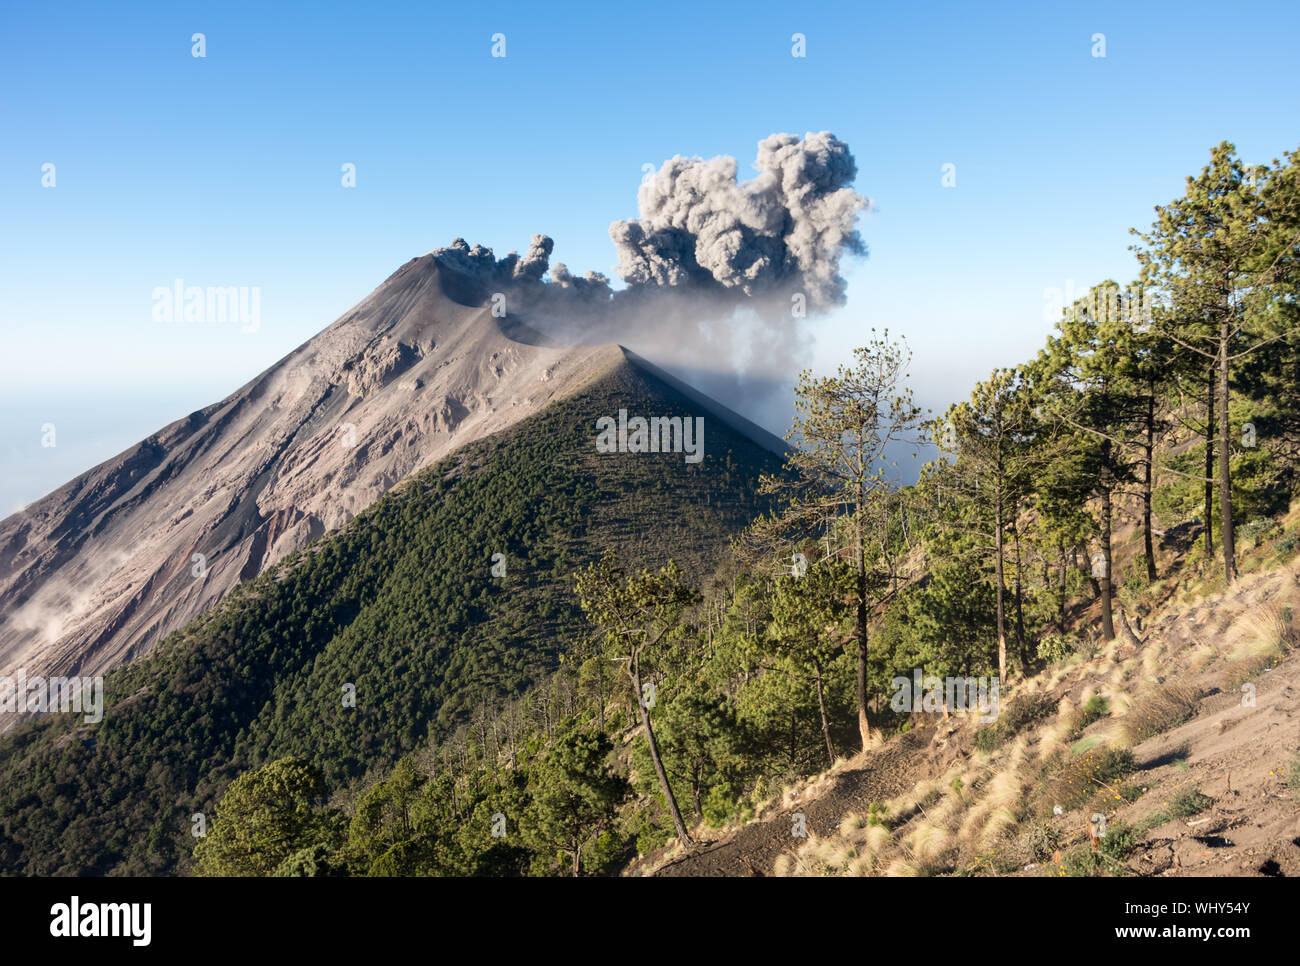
point(377, 366)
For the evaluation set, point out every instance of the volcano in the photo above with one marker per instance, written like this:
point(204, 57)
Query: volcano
point(95, 573)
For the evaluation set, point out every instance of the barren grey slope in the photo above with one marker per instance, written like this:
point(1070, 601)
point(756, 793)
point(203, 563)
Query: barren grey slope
point(96, 572)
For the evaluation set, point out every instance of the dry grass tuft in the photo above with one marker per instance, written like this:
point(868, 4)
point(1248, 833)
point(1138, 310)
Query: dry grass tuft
point(1261, 632)
point(904, 868)
point(862, 865)
point(1005, 789)
point(1153, 659)
point(1157, 711)
point(1053, 738)
point(921, 795)
point(1000, 827)
point(1201, 657)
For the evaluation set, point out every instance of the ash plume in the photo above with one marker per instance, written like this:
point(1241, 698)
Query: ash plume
point(714, 268)
point(785, 229)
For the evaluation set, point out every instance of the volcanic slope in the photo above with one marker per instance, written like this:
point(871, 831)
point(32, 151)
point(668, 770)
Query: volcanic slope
point(400, 606)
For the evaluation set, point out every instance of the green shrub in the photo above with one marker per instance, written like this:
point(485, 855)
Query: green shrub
point(1120, 840)
point(1085, 776)
point(609, 850)
point(1020, 712)
point(1094, 709)
point(1130, 792)
point(1257, 531)
point(1023, 710)
point(648, 834)
point(877, 814)
point(1115, 763)
point(1041, 840)
point(1108, 858)
point(1080, 862)
point(1054, 648)
point(1190, 802)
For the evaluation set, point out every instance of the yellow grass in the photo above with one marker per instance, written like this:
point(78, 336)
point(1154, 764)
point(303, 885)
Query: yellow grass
point(1000, 827)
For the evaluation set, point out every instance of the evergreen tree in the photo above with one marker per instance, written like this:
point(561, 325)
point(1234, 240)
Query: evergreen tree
point(1221, 256)
point(705, 747)
point(265, 816)
point(1094, 396)
point(638, 616)
point(846, 430)
point(991, 437)
point(806, 612)
point(574, 795)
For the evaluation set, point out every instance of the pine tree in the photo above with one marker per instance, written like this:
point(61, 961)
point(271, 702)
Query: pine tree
point(638, 616)
point(807, 609)
point(264, 817)
point(1221, 257)
point(1094, 395)
point(846, 430)
point(574, 794)
point(991, 437)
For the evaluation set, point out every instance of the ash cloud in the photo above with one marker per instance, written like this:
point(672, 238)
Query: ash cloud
point(714, 268)
point(785, 229)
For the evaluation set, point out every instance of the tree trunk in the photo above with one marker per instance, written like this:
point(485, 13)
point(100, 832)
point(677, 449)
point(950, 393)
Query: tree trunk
point(1225, 479)
point(821, 707)
point(864, 727)
point(1149, 543)
point(682, 835)
point(997, 567)
point(1061, 592)
point(1107, 619)
point(1209, 465)
point(1020, 606)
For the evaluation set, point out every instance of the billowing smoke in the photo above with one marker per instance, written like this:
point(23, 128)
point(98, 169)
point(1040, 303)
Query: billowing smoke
point(783, 230)
point(715, 269)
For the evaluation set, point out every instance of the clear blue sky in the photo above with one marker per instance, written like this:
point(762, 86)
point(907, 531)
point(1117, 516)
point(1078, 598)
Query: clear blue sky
point(226, 170)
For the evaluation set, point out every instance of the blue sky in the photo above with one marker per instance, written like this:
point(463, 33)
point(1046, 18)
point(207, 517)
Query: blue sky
point(225, 170)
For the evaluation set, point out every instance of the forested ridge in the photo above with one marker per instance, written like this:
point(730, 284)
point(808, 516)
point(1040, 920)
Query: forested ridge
point(401, 605)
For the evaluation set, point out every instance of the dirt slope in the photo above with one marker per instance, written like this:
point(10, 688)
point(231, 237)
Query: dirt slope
point(870, 776)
